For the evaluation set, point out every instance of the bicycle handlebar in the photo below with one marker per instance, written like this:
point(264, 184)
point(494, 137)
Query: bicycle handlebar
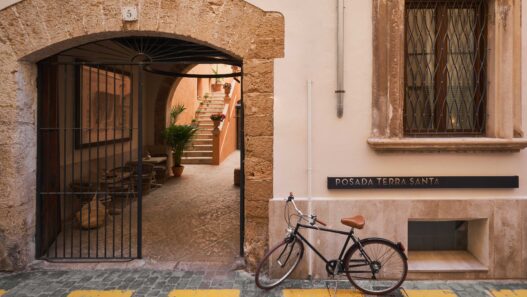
point(320, 222)
point(291, 198)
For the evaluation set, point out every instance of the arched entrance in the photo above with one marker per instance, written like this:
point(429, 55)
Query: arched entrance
point(26, 37)
point(95, 144)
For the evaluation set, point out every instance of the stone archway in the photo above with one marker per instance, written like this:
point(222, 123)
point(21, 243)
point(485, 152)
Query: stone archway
point(31, 30)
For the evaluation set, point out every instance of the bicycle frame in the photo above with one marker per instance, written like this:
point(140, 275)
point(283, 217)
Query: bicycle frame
point(366, 262)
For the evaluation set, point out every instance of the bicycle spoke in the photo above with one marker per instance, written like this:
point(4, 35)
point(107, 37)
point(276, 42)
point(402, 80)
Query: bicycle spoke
point(384, 273)
point(269, 276)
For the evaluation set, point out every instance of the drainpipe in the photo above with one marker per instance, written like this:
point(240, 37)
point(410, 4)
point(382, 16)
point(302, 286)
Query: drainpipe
point(340, 58)
point(309, 170)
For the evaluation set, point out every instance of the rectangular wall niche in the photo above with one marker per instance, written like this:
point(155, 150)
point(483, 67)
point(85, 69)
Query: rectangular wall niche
point(448, 245)
point(438, 236)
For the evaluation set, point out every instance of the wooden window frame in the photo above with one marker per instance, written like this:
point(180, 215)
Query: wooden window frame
point(503, 128)
point(440, 77)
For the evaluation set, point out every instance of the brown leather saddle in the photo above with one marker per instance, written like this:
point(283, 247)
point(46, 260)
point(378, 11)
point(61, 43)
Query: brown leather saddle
point(354, 222)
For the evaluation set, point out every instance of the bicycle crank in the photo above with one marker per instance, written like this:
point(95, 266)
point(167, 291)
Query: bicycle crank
point(333, 267)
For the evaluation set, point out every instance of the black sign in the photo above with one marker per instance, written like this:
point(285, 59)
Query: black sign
point(422, 182)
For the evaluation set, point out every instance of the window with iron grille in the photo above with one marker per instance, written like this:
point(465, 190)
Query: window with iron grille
point(445, 67)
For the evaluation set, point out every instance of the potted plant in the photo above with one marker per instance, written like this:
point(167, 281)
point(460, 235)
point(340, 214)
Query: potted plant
point(217, 118)
point(227, 88)
point(175, 112)
point(178, 137)
point(216, 86)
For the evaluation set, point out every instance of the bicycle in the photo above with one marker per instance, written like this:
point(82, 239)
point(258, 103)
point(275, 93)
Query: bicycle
point(372, 265)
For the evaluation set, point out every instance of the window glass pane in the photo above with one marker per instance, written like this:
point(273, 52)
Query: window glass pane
point(460, 68)
point(420, 68)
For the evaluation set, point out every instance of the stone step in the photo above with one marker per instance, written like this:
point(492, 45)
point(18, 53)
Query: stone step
point(196, 160)
point(210, 111)
point(197, 154)
point(201, 141)
point(214, 98)
point(206, 115)
point(200, 147)
point(203, 136)
point(216, 107)
point(204, 106)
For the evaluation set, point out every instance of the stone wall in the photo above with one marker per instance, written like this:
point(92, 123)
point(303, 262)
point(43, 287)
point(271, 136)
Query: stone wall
point(35, 29)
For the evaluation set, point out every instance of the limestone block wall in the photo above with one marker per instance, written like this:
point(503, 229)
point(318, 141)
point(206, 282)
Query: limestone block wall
point(31, 30)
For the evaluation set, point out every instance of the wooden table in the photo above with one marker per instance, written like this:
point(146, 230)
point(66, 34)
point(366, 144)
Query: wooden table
point(160, 167)
point(155, 160)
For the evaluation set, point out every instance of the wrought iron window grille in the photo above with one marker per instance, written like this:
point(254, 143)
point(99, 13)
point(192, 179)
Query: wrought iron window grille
point(445, 68)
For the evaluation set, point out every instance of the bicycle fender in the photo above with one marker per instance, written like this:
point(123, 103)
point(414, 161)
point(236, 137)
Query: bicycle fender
point(397, 245)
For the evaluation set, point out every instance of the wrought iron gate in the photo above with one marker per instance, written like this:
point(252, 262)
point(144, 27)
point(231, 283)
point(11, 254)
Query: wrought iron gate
point(90, 175)
point(90, 160)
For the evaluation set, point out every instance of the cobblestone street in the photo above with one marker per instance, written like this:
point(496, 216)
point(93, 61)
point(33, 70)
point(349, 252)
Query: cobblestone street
point(212, 281)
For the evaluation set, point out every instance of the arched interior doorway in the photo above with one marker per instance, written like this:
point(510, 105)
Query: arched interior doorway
point(96, 120)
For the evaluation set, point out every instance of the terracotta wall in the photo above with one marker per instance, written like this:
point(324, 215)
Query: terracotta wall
point(185, 91)
point(185, 94)
point(229, 143)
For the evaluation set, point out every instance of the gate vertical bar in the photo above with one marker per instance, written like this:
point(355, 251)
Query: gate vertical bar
point(140, 161)
point(56, 130)
point(77, 75)
point(64, 164)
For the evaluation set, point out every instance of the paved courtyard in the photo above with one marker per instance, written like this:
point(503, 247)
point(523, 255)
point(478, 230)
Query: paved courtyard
point(214, 282)
point(195, 217)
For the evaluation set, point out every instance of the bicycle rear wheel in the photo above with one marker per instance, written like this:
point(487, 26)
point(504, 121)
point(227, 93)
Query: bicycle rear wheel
point(386, 271)
point(279, 263)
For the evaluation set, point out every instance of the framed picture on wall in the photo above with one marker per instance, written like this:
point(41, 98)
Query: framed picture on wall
point(103, 113)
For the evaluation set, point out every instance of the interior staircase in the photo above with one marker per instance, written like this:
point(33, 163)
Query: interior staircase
point(199, 150)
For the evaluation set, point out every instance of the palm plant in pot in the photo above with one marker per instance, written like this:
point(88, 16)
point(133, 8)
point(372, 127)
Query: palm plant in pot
point(178, 137)
point(218, 81)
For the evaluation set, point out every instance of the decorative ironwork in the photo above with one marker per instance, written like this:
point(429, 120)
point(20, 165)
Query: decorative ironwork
point(149, 50)
point(445, 67)
point(91, 178)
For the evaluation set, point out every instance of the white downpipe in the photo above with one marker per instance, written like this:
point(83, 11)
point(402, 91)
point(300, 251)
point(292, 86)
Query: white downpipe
point(309, 168)
point(340, 58)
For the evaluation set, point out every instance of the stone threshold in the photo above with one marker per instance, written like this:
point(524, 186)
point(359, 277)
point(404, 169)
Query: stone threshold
point(444, 261)
point(454, 144)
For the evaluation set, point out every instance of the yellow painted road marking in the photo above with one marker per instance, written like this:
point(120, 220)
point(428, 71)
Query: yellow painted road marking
point(509, 293)
point(205, 293)
point(430, 293)
point(101, 293)
point(2, 292)
point(320, 293)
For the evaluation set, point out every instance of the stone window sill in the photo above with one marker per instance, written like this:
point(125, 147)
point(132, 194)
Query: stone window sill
point(448, 144)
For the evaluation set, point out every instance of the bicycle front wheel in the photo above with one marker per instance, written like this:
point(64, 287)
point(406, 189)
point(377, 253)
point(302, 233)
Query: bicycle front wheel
point(385, 270)
point(279, 263)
